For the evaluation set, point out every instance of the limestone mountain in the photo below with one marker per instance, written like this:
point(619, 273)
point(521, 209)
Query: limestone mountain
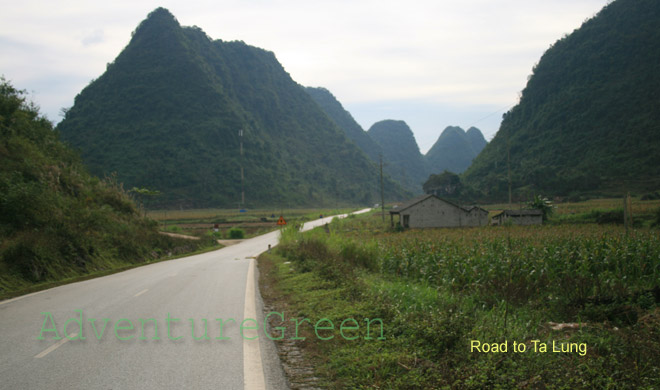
point(167, 114)
point(477, 140)
point(588, 121)
point(56, 220)
point(455, 149)
point(335, 111)
point(403, 160)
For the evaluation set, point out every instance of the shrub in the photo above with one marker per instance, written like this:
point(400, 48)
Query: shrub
point(236, 233)
point(174, 229)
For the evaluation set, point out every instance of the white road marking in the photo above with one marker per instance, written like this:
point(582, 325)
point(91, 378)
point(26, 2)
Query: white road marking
point(55, 346)
point(141, 292)
point(253, 372)
point(21, 297)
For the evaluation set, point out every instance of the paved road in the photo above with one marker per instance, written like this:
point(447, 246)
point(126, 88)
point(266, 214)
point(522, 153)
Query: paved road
point(191, 291)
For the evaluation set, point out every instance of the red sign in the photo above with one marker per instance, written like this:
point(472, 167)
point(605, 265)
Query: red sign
point(281, 221)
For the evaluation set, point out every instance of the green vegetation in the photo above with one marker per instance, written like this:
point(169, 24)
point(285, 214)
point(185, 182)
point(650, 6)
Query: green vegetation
point(455, 149)
point(587, 122)
point(404, 162)
point(166, 116)
point(542, 204)
point(56, 221)
point(335, 111)
point(603, 211)
point(198, 222)
point(438, 290)
point(343, 119)
point(445, 184)
point(236, 233)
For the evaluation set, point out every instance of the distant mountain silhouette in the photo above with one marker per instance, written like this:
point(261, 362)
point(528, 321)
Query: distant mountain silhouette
point(333, 108)
point(404, 162)
point(166, 116)
point(455, 149)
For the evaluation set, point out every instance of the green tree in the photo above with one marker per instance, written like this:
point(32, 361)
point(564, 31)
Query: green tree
point(443, 184)
point(56, 220)
point(542, 204)
point(142, 194)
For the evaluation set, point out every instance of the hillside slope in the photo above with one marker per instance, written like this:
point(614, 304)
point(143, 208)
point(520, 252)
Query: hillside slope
point(57, 221)
point(403, 160)
point(167, 112)
point(588, 121)
point(455, 149)
point(333, 108)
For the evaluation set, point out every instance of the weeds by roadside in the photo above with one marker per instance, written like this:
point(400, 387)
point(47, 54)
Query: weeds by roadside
point(438, 291)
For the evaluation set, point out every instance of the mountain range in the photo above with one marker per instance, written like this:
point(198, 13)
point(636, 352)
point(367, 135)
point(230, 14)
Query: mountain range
point(395, 142)
point(335, 111)
point(455, 149)
point(171, 112)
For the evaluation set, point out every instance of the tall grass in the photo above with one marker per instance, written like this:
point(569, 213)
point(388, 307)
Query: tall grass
point(438, 289)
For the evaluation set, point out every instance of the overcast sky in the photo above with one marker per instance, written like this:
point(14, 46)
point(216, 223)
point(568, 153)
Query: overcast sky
point(432, 63)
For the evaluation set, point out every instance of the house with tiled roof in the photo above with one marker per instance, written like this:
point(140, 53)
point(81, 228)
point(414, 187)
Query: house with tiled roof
point(430, 211)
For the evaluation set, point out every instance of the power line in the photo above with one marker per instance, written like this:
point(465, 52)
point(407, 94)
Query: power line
point(507, 108)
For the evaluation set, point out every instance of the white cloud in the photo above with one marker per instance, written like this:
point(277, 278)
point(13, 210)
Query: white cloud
point(94, 37)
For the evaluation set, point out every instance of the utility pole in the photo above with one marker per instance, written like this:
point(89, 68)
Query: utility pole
point(627, 213)
point(508, 163)
point(382, 191)
point(240, 137)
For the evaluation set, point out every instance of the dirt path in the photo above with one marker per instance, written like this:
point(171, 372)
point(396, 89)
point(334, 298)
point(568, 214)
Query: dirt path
point(179, 236)
point(229, 242)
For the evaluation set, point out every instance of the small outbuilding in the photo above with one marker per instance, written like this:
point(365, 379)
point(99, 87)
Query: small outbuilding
point(429, 211)
point(519, 217)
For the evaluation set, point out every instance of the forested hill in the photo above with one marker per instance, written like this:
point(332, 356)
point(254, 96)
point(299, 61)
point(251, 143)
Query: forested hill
point(404, 162)
point(56, 220)
point(333, 108)
point(476, 139)
point(455, 149)
point(166, 116)
point(588, 121)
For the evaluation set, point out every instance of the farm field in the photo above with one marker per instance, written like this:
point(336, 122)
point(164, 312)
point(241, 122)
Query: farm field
point(579, 300)
point(599, 211)
point(198, 222)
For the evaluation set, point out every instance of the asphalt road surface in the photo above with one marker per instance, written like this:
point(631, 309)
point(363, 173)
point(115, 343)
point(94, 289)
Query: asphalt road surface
point(173, 324)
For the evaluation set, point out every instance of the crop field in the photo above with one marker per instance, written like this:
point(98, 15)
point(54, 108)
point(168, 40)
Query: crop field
point(580, 302)
point(561, 208)
point(252, 221)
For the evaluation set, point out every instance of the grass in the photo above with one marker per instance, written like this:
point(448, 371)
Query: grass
point(439, 289)
point(252, 222)
point(231, 215)
point(601, 211)
point(109, 268)
point(153, 248)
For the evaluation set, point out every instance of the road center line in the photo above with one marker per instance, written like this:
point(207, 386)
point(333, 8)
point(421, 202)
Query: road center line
point(253, 372)
point(55, 346)
point(141, 292)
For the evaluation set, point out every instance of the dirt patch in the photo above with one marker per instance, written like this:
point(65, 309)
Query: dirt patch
point(180, 236)
point(229, 242)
